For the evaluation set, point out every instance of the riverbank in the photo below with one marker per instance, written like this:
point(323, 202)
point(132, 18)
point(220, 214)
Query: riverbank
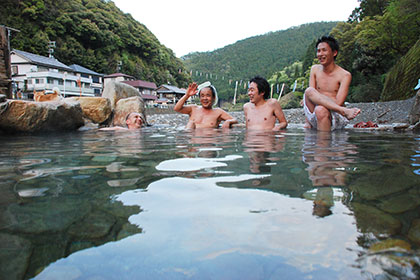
point(385, 114)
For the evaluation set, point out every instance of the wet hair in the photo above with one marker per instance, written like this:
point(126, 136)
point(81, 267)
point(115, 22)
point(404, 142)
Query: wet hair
point(262, 85)
point(331, 41)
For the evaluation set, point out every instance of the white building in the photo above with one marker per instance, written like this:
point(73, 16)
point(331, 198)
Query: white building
point(31, 72)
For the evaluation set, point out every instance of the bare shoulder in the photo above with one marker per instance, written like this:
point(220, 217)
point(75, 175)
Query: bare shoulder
point(247, 105)
point(343, 72)
point(316, 68)
point(273, 102)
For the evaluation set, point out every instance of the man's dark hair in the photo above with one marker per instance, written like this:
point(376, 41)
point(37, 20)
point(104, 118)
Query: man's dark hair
point(262, 85)
point(330, 41)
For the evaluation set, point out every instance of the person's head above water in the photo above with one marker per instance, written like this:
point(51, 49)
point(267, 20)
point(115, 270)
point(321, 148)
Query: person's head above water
point(262, 85)
point(207, 94)
point(134, 120)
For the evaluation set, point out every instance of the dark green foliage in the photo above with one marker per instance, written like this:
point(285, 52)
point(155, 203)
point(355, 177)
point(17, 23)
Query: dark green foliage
point(368, 8)
point(94, 34)
point(371, 47)
point(403, 77)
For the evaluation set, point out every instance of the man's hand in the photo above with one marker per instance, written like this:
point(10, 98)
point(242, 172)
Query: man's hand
point(192, 90)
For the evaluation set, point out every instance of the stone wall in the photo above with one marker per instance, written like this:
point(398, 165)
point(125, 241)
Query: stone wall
point(5, 70)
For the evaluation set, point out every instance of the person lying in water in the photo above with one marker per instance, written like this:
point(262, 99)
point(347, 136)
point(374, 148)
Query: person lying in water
point(133, 120)
point(261, 112)
point(204, 116)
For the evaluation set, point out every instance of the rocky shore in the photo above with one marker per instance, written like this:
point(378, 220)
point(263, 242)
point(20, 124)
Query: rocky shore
point(388, 115)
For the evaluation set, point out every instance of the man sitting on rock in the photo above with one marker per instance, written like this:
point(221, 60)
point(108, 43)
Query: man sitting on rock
point(133, 121)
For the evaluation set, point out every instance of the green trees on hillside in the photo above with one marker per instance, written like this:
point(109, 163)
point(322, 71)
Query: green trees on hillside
point(94, 34)
point(372, 44)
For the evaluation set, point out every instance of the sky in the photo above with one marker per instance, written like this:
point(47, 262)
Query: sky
point(189, 26)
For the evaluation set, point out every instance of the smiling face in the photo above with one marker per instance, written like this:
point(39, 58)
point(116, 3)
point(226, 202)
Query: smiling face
point(206, 98)
point(134, 121)
point(254, 95)
point(325, 54)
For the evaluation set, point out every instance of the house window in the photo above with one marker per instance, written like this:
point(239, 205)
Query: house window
point(95, 79)
point(60, 82)
point(29, 81)
point(50, 80)
point(15, 70)
point(39, 81)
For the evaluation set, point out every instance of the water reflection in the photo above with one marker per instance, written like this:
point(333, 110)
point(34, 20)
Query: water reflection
point(328, 156)
point(210, 204)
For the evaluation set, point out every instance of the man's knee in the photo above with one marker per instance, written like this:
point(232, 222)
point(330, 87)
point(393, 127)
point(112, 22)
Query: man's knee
point(310, 91)
point(322, 113)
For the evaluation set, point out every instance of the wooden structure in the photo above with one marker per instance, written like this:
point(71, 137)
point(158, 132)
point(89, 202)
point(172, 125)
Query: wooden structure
point(5, 69)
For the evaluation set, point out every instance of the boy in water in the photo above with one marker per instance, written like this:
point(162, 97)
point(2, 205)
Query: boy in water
point(328, 88)
point(204, 116)
point(261, 113)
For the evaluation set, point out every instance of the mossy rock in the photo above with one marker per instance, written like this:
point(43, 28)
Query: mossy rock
point(289, 101)
point(403, 76)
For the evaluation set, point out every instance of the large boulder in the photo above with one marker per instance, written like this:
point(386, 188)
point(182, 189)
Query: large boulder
point(126, 106)
point(29, 116)
point(414, 115)
point(96, 109)
point(115, 91)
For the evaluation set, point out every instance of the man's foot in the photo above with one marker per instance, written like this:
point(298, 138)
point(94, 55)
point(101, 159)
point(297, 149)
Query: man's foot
point(351, 113)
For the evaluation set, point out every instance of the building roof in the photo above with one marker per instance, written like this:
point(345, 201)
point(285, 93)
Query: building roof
point(170, 89)
point(42, 60)
point(141, 84)
point(80, 69)
point(115, 75)
point(148, 96)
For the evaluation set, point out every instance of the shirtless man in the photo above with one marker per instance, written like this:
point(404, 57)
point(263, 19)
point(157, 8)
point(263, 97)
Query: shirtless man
point(204, 116)
point(261, 113)
point(133, 121)
point(328, 88)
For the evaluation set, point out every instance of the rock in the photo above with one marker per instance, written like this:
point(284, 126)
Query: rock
point(387, 244)
point(94, 226)
point(414, 115)
point(414, 232)
point(416, 126)
point(15, 253)
point(96, 109)
point(400, 126)
point(372, 220)
point(115, 91)
point(29, 116)
point(126, 106)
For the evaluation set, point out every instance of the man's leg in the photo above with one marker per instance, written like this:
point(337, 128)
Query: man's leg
point(323, 116)
point(317, 98)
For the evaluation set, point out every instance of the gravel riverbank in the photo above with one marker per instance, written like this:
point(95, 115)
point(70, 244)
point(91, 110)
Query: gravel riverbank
point(382, 113)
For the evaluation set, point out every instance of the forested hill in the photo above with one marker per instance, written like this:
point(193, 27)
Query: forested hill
point(93, 33)
point(259, 55)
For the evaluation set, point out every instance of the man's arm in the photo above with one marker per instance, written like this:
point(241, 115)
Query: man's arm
point(278, 113)
point(179, 106)
point(228, 119)
point(343, 90)
point(312, 76)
